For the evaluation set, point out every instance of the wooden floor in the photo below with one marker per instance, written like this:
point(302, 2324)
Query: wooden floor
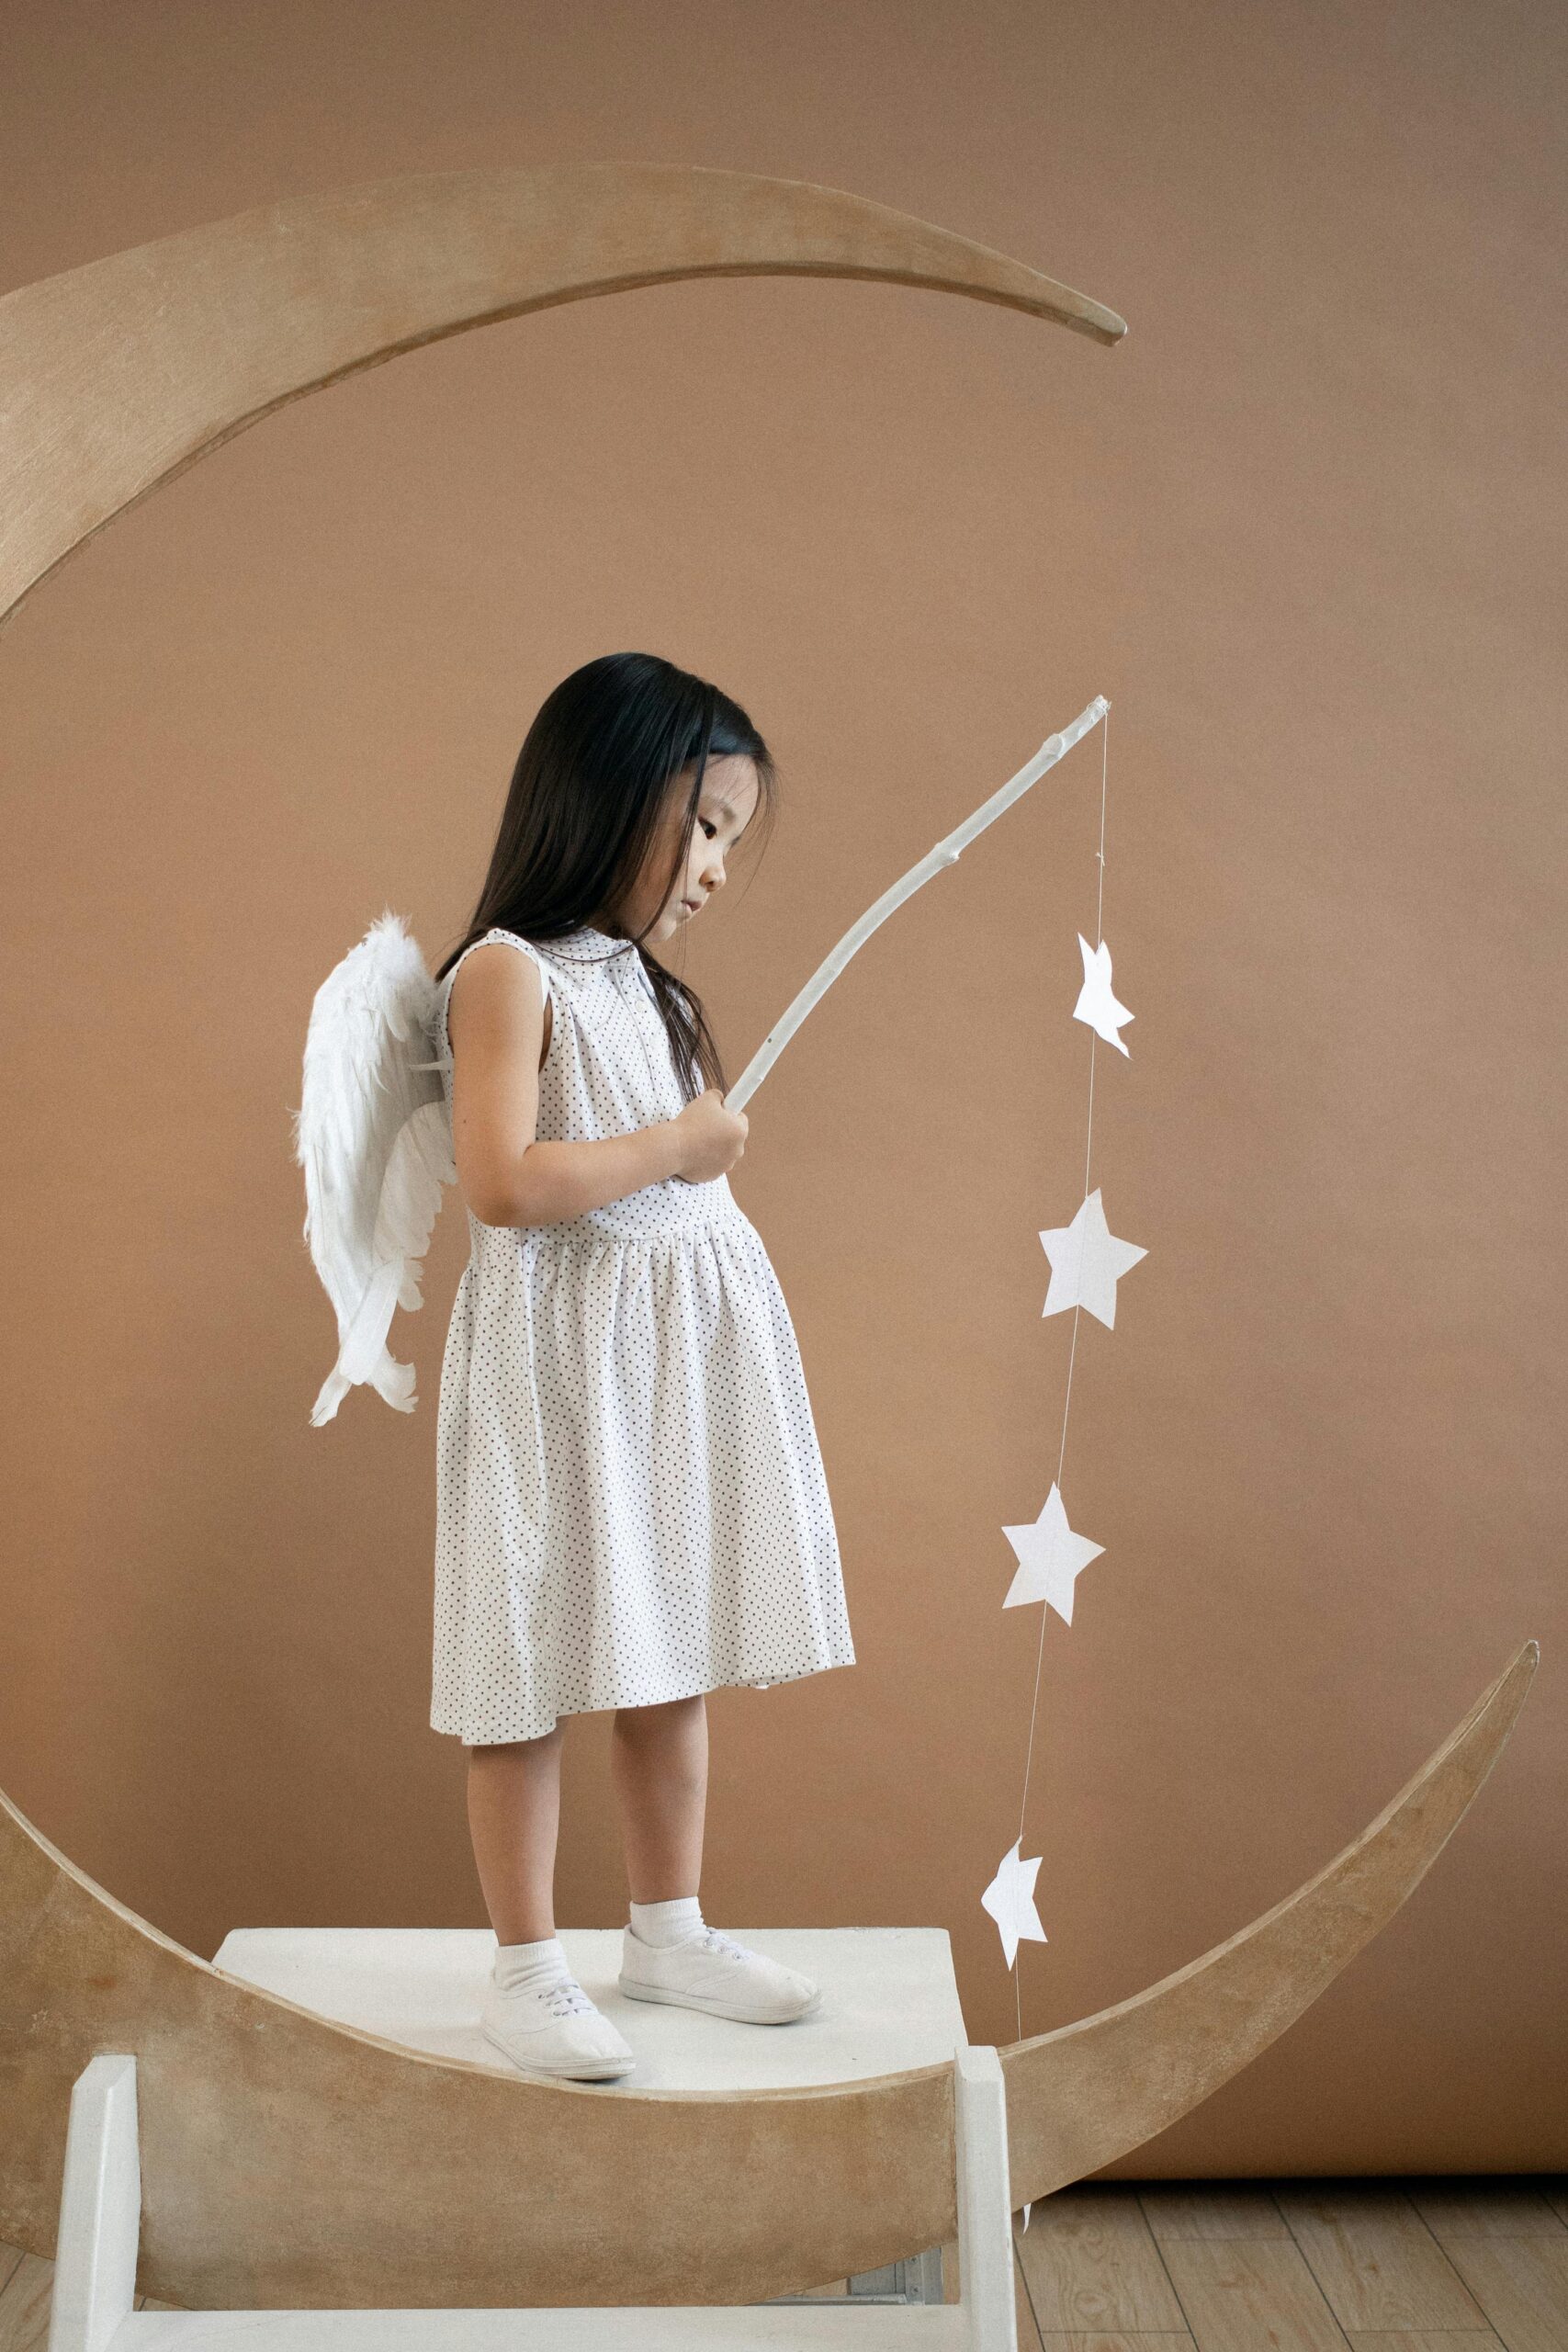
point(1303, 2266)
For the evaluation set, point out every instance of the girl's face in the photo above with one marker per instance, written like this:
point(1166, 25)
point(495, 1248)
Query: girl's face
point(729, 795)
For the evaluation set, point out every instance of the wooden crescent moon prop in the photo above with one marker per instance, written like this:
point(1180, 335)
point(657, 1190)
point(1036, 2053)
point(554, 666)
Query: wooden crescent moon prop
point(288, 2161)
point(947, 852)
point(115, 376)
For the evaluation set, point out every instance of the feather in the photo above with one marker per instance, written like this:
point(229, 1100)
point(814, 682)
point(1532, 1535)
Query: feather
point(373, 1134)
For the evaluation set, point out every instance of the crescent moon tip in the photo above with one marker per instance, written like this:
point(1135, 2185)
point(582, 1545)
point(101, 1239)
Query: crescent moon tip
point(1083, 2095)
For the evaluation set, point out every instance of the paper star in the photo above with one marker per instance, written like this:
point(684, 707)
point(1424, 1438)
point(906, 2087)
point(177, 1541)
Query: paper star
point(1051, 1559)
point(1096, 1004)
point(1087, 1262)
point(1010, 1899)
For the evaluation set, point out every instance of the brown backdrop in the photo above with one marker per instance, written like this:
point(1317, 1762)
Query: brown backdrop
point(1304, 529)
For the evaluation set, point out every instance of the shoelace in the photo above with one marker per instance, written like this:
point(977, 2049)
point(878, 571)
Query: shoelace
point(721, 1945)
point(565, 1999)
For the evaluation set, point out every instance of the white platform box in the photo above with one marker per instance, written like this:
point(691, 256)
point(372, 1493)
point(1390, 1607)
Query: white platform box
point(94, 2277)
point(889, 2003)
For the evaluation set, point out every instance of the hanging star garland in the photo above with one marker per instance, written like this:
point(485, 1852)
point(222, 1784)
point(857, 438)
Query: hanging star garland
point(1088, 1262)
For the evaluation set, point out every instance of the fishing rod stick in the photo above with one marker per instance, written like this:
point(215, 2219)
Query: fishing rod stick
point(946, 852)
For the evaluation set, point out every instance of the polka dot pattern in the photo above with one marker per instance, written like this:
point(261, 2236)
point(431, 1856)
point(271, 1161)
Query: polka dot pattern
point(631, 1500)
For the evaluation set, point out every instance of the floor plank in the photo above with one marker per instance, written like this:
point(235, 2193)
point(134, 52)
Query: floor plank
point(1202, 2209)
point(1090, 2262)
point(1521, 2284)
point(1426, 2339)
point(1376, 2261)
point(1251, 2295)
point(1485, 2207)
point(1117, 2340)
point(1023, 2310)
point(24, 2305)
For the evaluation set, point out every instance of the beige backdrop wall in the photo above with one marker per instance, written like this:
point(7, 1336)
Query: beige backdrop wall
point(1303, 530)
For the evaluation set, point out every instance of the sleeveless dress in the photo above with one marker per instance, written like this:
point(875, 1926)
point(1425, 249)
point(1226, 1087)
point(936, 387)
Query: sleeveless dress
point(631, 1500)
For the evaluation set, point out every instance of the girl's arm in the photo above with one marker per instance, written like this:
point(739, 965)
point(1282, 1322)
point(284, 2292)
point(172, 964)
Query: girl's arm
point(496, 1028)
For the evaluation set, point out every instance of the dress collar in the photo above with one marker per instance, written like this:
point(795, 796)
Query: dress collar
point(603, 938)
point(584, 945)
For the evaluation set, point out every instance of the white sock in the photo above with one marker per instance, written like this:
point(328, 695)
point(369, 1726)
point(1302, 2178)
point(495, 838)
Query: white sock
point(528, 1968)
point(679, 1921)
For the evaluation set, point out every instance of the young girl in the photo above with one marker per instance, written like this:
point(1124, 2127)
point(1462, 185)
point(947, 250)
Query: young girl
point(630, 1503)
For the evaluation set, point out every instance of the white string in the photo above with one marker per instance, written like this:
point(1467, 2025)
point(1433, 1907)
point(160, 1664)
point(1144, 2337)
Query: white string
point(1072, 1352)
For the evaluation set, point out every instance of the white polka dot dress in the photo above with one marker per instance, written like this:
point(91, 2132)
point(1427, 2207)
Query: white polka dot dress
point(630, 1500)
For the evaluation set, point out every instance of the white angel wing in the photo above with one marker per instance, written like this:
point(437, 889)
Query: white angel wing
point(374, 1136)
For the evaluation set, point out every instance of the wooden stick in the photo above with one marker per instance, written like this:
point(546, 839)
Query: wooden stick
point(946, 852)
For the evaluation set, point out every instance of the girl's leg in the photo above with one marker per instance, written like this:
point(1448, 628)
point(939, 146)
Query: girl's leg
point(659, 1761)
point(514, 1817)
point(658, 1768)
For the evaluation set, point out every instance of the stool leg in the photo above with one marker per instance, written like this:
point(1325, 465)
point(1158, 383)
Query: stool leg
point(985, 2209)
point(100, 2209)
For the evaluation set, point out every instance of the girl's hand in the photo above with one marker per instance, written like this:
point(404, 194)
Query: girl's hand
point(710, 1138)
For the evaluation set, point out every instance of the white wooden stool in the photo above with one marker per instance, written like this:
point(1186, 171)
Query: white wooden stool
point(95, 2259)
point(890, 2003)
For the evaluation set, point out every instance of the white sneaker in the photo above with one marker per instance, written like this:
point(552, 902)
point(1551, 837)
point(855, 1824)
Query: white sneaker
point(555, 2032)
point(711, 1973)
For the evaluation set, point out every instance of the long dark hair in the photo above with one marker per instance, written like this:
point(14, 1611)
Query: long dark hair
point(588, 795)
